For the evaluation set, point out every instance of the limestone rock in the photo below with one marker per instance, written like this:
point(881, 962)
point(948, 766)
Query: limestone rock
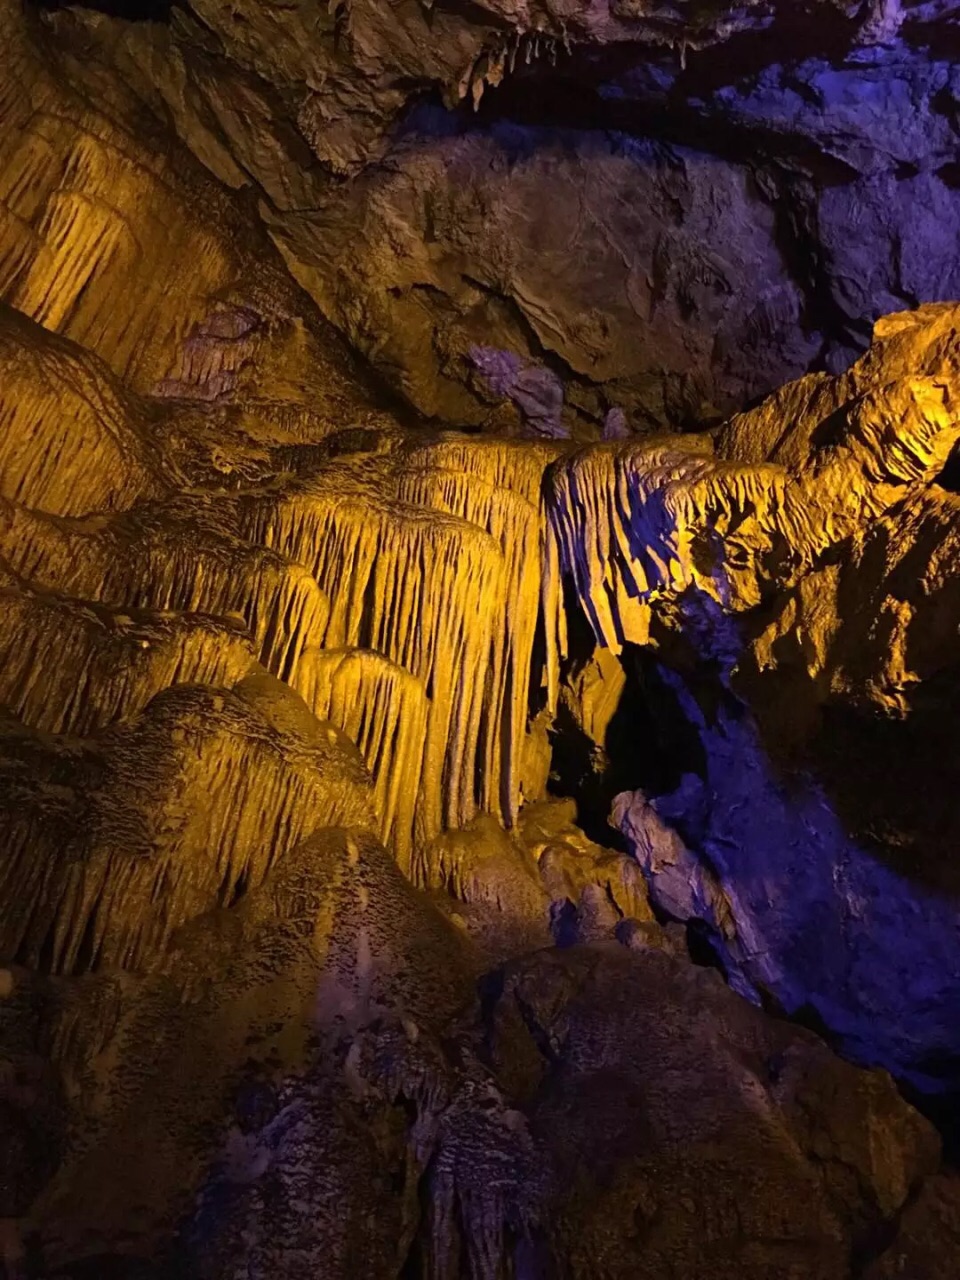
point(756, 138)
point(723, 1105)
point(494, 877)
point(717, 1116)
point(168, 814)
point(299, 972)
point(629, 249)
point(583, 879)
point(926, 1241)
point(71, 666)
point(71, 443)
point(241, 1054)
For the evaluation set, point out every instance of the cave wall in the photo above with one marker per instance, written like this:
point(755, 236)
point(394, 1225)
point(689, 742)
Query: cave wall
point(666, 214)
point(301, 967)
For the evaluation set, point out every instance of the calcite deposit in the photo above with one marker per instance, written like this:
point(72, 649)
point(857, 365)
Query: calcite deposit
point(479, 544)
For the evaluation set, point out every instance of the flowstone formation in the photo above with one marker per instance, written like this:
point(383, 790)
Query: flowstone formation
point(445, 853)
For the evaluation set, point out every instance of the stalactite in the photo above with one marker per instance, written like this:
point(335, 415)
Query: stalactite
point(516, 465)
point(383, 709)
point(419, 587)
point(175, 557)
point(69, 666)
point(825, 462)
point(629, 522)
point(496, 485)
point(185, 806)
point(395, 583)
point(89, 215)
point(212, 356)
point(69, 205)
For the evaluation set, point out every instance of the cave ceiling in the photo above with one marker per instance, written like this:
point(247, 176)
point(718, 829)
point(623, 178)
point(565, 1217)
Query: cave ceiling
point(661, 211)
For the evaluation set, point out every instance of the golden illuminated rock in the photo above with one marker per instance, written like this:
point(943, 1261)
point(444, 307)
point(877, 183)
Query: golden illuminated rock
point(69, 439)
point(178, 557)
point(495, 484)
point(71, 666)
point(87, 214)
point(383, 708)
point(111, 844)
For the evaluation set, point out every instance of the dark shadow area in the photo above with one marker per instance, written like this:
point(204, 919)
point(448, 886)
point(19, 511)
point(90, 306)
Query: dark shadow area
point(414, 1264)
point(806, 30)
point(649, 744)
point(888, 780)
point(942, 1111)
point(889, 776)
point(892, 781)
point(593, 91)
point(702, 947)
point(949, 477)
point(105, 1267)
point(130, 10)
point(833, 430)
point(949, 175)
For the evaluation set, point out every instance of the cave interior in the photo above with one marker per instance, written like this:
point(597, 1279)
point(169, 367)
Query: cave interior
point(480, 640)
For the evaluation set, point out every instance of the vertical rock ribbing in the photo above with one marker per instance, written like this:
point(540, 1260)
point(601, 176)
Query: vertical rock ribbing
point(87, 215)
point(172, 558)
point(495, 484)
point(421, 588)
point(628, 523)
point(178, 810)
point(68, 666)
point(68, 440)
point(383, 709)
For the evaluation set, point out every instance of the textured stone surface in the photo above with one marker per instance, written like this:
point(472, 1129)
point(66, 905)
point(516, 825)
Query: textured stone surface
point(926, 1242)
point(662, 209)
point(647, 277)
point(741, 572)
point(623, 1112)
point(302, 969)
